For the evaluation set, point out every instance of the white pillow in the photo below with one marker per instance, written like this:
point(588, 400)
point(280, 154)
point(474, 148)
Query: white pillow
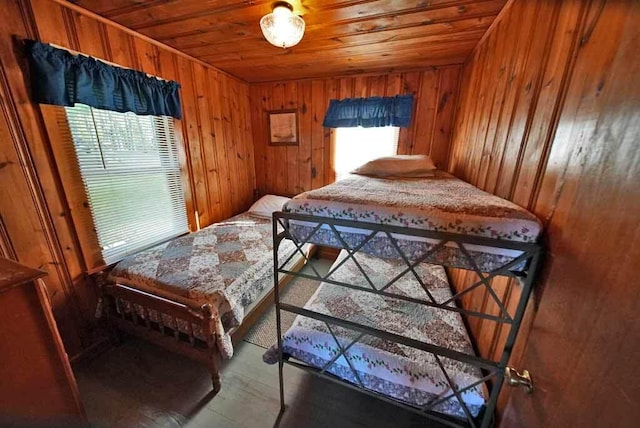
point(266, 205)
point(398, 166)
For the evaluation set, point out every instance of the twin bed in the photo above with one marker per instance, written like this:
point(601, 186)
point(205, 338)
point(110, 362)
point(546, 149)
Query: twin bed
point(441, 203)
point(191, 293)
point(383, 319)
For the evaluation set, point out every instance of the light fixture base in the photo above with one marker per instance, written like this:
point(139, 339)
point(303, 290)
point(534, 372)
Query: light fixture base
point(282, 4)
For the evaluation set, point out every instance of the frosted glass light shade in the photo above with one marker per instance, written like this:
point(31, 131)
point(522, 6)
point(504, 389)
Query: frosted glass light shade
point(281, 27)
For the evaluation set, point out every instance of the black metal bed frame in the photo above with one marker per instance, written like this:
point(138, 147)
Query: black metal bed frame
point(491, 370)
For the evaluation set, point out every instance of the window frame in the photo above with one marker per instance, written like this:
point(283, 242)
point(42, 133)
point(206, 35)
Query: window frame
point(79, 215)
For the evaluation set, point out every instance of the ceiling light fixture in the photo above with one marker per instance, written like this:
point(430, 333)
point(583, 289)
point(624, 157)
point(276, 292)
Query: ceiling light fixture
point(281, 27)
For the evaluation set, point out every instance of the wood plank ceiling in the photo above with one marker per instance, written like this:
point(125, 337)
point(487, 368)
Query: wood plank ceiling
point(342, 36)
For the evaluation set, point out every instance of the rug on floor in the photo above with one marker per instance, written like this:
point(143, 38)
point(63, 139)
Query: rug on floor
point(264, 333)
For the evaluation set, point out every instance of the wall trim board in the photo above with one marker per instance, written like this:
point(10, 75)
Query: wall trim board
point(503, 12)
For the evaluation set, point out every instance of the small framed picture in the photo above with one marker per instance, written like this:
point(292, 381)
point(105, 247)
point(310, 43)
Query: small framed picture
point(283, 128)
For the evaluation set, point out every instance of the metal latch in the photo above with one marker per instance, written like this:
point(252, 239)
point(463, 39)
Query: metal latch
point(517, 379)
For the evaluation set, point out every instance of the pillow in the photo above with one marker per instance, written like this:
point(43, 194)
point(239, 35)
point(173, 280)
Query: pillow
point(266, 205)
point(409, 166)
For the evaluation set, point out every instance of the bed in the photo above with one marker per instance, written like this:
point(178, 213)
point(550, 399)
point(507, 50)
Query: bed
point(394, 370)
point(407, 222)
point(191, 293)
point(441, 203)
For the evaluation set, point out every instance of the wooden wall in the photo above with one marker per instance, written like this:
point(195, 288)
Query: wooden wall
point(291, 170)
point(549, 118)
point(35, 227)
point(510, 95)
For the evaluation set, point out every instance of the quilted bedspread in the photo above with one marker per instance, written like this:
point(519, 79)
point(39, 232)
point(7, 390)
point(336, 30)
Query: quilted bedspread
point(385, 367)
point(228, 264)
point(442, 203)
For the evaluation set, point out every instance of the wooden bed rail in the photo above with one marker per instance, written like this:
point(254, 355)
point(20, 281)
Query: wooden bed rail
point(178, 325)
point(140, 297)
point(158, 320)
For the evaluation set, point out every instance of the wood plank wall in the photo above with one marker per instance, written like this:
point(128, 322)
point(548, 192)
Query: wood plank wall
point(509, 98)
point(35, 227)
point(291, 170)
point(585, 341)
point(544, 120)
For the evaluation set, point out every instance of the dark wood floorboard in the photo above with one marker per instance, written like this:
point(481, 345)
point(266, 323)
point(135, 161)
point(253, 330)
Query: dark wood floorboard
point(140, 385)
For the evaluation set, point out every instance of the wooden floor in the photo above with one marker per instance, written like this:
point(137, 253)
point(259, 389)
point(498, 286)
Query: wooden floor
point(140, 385)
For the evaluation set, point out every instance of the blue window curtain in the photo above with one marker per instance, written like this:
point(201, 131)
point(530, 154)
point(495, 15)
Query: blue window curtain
point(61, 78)
point(369, 112)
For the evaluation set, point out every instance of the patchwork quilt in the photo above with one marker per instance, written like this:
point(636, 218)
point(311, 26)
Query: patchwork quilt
point(388, 368)
point(228, 264)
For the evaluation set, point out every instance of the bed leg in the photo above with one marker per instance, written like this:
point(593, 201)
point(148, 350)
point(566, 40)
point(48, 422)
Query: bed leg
point(216, 381)
point(214, 367)
point(109, 311)
point(215, 358)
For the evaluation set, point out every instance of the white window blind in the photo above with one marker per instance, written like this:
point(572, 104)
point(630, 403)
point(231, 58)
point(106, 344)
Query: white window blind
point(131, 174)
point(356, 146)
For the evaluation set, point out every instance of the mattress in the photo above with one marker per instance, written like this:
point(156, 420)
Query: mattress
point(441, 203)
point(227, 264)
point(388, 368)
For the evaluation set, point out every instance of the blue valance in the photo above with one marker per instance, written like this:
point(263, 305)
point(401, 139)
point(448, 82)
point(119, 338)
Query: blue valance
point(369, 112)
point(61, 78)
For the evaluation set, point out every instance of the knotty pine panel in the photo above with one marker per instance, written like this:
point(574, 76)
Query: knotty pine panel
point(509, 96)
point(349, 36)
point(35, 225)
point(548, 118)
point(584, 344)
point(216, 151)
point(98, 38)
point(294, 169)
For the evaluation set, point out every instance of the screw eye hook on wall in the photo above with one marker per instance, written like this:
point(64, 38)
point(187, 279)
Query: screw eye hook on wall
point(281, 27)
point(516, 379)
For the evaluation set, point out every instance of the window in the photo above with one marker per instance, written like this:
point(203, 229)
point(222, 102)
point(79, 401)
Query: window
point(131, 174)
point(356, 146)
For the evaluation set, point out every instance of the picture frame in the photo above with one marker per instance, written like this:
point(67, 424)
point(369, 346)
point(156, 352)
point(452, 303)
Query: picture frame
point(283, 127)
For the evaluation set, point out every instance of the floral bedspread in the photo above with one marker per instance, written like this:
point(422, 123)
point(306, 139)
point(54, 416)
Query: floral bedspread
point(389, 368)
point(228, 264)
point(441, 203)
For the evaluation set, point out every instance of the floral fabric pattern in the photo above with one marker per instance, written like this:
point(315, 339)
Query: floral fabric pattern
point(386, 367)
point(381, 246)
point(227, 264)
point(441, 203)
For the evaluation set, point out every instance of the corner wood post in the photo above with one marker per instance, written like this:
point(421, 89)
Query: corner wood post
point(215, 358)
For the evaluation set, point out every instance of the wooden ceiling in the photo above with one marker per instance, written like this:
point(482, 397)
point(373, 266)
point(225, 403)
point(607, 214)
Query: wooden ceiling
point(342, 36)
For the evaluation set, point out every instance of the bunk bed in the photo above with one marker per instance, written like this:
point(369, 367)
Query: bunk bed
point(412, 224)
point(192, 293)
